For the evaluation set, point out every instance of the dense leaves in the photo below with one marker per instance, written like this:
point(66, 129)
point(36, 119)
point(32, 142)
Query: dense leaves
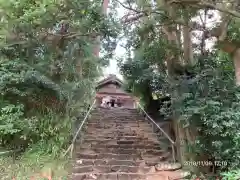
point(211, 103)
point(171, 58)
point(49, 67)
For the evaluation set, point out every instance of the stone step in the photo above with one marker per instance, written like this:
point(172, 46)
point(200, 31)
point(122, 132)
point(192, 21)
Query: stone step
point(114, 129)
point(110, 120)
point(111, 112)
point(111, 162)
point(119, 144)
point(119, 131)
point(120, 124)
point(114, 168)
point(108, 176)
point(125, 146)
point(124, 136)
point(116, 125)
point(108, 128)
point(132, 122)
point(119, 141)
point(116, 109)
point(117, 117)
point(134, 138)
point(149, 158)
point(106, 120)
point(120, 134)
point(148, 161)
point(135, 122)
point(103, 124)
point(111, 166)
point(169, 175)
point(123, 151)
point(114, 113)
point(122, 109)
point(90, 155)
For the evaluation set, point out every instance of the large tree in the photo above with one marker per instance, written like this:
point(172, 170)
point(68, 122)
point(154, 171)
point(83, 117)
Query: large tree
point(173, 37)
point(48, 51)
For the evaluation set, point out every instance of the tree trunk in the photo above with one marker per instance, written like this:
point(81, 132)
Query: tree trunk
point(236, 59)
point(97, 41)
point(187, 45)
point(180, 141)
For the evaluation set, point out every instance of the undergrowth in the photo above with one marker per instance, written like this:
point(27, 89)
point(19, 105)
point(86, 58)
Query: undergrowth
point(35, 165)
point(41, 139)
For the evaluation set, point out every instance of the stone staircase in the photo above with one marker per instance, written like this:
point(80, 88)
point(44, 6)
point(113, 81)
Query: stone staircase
point(118, 144)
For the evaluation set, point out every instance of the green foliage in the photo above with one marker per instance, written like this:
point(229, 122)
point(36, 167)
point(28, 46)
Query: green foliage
point(146, 69)
point(34, 165)
point(210, 103)
point(47, 54)
point(204, 98)
point(10, 114)
point(231, 175)
point(17, 131)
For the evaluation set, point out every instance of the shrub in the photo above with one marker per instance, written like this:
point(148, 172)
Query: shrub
point(18, 131)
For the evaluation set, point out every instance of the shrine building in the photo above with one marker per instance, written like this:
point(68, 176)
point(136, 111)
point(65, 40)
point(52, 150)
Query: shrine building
point(113, 87)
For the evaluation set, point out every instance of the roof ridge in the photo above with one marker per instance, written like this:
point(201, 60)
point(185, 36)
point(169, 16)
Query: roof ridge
point(109, 78)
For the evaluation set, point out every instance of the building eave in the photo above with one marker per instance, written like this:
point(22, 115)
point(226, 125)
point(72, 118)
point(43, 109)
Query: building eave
point(110, 79)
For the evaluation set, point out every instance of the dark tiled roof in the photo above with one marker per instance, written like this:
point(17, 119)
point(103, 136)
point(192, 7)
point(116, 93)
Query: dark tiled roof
point(110, 78)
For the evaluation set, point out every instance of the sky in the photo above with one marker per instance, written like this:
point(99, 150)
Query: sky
point(119, 52)
point(113, 68)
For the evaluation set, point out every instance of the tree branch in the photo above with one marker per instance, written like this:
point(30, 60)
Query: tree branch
point(49, 37)
point(205, 4)
point(129, 8)
point(218, 32)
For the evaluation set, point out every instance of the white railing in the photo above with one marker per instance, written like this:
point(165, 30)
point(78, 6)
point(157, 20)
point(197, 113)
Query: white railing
point(71, 147)
point(165, 134)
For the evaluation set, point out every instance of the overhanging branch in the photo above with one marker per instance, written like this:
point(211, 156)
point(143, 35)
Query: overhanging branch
point(206, 4)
